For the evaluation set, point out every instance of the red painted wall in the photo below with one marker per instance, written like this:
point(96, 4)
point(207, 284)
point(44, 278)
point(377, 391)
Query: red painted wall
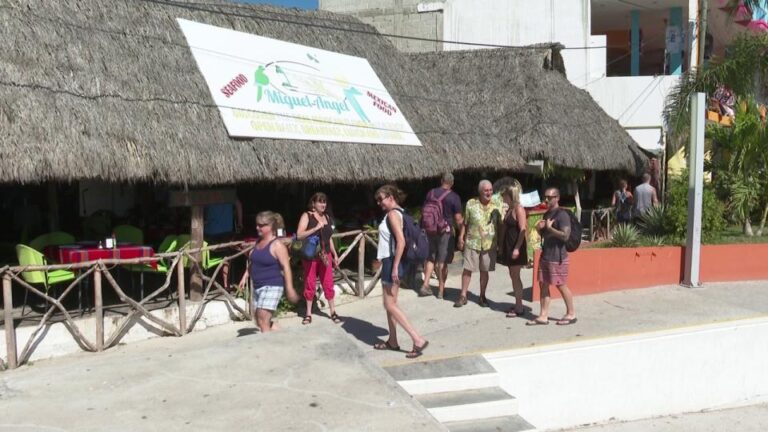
point(720, 263)
point(610, 269)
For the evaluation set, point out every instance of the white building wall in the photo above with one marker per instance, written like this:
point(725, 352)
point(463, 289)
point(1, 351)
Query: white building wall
point(638, 376)
point(524, 22)
point(637, 103)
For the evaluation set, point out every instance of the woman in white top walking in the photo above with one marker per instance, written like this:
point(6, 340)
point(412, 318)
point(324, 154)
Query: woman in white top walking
point(390, 252)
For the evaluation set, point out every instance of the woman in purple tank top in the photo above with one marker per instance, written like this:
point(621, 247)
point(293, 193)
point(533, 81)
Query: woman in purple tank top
point(270, 271)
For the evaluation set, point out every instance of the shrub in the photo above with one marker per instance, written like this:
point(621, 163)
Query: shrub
point(653, 241)
point(712, 221)
point(654, 222)
point(625, 235)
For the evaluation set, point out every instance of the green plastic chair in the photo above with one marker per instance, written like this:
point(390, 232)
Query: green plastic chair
point(28, 256)
point(169, 244)
point(207, 261)
point(129, 234)
point(39, 242)
point(55, 238)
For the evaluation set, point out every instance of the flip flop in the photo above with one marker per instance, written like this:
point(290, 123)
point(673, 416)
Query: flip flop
point(512, 313)
point(417, 351)
point(536, 322)
point(383, 346)
point(307, 320)
point(566, 321)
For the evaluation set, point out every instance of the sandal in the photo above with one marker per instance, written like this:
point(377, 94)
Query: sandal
point(336, 318)
point(307, 320)
point(417, 351)
point(535, 322)
point(381, 346)
point(512, 313)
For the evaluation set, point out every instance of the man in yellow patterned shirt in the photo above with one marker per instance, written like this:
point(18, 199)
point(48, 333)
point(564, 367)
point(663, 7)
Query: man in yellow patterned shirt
point(477, 238)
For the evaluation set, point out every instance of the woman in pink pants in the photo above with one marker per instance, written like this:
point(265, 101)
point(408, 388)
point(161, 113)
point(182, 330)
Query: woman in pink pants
point(317, 222)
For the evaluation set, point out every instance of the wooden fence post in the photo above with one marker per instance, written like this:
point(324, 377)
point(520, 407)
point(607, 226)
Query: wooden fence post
point(196, 240)
point(10, 330)
point(181, 294)
point(361, 266)
point(98, 308)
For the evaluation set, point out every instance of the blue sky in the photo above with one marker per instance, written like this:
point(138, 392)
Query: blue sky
point(304, 4)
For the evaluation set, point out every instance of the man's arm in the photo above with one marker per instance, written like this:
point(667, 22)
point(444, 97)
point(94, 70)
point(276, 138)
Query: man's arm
point(461, 237)
point(655, 198)
point(561, 234)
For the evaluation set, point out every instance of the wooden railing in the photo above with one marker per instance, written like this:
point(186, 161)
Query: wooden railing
point(99, 271)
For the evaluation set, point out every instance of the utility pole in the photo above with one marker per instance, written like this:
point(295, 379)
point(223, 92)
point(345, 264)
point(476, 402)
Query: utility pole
point(702, 31)
point(693, 34)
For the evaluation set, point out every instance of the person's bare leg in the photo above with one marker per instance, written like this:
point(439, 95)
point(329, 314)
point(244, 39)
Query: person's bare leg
point(308, 312)
point(483, 283)
point(392, 339)
point(517, 287)
point(264, 320)
point(466, 277)
point(390, 303)
point(332, 306)
point(442, 274)
point(429, 266)
point(544, 302)
point(565, 292)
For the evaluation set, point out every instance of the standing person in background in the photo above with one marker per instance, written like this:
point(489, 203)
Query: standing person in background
point(221, 222)
point(554, 228)
point(441, 211)
point(391, 251)
point(622, 203)
point(317, 221)
point(478, 240)
point(270, 271)
point(513, 249)
point(645, 197)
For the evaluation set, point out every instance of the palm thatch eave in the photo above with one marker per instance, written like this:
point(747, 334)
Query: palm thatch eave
point(109, 90)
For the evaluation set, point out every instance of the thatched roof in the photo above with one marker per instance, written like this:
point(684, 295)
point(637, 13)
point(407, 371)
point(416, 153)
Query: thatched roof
point(109, 89)
point(524, 96)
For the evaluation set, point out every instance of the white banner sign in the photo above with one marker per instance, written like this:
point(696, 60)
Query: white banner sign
point(273, 89)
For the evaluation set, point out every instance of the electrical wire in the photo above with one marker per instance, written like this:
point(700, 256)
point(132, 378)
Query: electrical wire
point(197, 7)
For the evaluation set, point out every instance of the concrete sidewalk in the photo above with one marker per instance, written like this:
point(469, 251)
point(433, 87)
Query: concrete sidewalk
point(223, 379)
point(325, 376)
point(472, 329)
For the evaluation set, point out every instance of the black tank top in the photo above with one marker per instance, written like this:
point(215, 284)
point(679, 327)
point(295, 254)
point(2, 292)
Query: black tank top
point(325, 232)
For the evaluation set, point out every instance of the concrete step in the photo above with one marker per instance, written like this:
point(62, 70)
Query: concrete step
point(472, 404)
point(496, 424)
point(437, 376)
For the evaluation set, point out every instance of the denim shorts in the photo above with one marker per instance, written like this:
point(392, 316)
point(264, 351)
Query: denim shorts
point(386, 270)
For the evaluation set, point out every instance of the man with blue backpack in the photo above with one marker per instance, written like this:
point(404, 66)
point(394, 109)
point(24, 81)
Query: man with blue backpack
point(441, 211)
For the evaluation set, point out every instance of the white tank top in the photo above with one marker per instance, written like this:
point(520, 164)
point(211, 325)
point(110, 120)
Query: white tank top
point(386, 242)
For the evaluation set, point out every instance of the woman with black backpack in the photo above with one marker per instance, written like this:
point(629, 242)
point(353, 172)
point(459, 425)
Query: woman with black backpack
point(390, 252)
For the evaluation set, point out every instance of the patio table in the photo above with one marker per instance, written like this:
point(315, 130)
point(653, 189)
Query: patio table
point(71, 254)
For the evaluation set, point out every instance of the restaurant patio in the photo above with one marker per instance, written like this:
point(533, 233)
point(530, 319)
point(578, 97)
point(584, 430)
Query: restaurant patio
point(111, 128)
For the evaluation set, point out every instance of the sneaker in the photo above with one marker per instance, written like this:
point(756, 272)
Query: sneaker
point(425, 292)
point(460, 302)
